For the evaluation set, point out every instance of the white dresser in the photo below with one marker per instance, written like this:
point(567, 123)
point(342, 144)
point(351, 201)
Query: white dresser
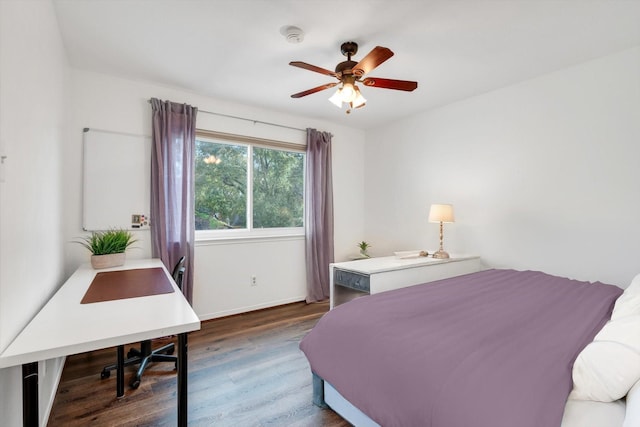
point(351, 279)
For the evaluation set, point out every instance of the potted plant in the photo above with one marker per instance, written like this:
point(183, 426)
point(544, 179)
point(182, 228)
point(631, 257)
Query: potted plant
point(364, 246)
point(108, 247)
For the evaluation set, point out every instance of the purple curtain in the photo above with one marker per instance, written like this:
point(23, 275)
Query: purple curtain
point(318, 214)
point(172, 186)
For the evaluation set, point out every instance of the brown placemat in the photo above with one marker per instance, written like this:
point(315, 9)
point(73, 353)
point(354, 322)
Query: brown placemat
point(121, 284)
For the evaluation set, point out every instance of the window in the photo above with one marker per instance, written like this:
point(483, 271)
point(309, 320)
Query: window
point(246, 186)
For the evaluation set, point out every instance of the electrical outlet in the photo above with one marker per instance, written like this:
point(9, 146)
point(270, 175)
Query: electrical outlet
point(254, 282)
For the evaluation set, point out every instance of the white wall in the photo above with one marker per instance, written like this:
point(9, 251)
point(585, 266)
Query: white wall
point(543, 175)
point(33, 75)
point(222, 268)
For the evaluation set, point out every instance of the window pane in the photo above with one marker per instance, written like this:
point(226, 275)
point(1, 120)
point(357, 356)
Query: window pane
point(220, 186)
point(278, 188)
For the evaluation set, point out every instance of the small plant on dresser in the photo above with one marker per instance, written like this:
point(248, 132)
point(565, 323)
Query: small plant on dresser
point(364, 247)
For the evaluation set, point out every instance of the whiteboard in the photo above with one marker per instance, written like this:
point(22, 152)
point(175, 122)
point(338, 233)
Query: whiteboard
point(116, 180)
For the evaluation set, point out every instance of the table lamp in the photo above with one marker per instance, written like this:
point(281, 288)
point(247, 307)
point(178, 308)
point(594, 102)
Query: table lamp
point(441, 214)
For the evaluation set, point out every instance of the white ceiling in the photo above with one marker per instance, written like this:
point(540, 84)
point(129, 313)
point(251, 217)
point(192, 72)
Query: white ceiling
point(233, 49)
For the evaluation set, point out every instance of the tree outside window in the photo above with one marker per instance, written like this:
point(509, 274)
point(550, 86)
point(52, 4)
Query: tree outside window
point(278, 188)
point(245, 187)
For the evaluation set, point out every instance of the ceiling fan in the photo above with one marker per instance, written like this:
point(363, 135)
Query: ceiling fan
point(351, 72)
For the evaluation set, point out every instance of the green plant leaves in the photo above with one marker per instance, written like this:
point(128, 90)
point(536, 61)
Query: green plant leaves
point(113, 241)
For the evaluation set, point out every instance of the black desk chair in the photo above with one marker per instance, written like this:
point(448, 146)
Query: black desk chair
point(146, 355)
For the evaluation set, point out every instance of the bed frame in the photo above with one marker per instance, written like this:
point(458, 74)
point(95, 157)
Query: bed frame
point(325, 396)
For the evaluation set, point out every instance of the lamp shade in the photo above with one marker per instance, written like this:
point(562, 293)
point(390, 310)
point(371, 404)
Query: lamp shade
point(336, 99)
point(358, 100)
point(441, 213)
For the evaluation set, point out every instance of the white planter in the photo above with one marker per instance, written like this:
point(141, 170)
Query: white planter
point(106, 261)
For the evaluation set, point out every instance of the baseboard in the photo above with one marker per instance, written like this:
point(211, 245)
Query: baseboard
point(224, 313)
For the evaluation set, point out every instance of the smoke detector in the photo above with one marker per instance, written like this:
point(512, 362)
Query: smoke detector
point(293, 34)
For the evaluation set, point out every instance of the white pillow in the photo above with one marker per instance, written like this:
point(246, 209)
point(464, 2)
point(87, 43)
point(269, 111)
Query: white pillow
point(609, 366)
point(628, 304)
point(583, 413)
point(605, 371)
point(625, 330)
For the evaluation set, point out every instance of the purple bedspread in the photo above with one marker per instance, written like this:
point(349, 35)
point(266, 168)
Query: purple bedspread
point(488, 349)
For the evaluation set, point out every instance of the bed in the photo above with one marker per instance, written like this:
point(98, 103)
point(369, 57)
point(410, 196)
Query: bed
point(489, 349)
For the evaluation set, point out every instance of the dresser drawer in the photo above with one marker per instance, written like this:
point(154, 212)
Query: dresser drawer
point(351, 280)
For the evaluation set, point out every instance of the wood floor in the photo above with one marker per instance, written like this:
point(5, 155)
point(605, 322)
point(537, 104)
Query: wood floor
point(244, 370)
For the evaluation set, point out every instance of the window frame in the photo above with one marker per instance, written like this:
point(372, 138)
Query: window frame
point(251, 142)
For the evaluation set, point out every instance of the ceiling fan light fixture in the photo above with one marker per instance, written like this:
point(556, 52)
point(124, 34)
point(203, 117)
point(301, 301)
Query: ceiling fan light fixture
point(358, 100)
point(348, 92)
point(336, 98)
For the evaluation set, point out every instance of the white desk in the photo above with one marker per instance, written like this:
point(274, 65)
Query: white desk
point(64, 327)
point(351, 279)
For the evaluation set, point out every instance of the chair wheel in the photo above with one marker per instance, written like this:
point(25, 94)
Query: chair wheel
point(135, 383)
point(130, 353)
point(175, 365)
point(171, 350)
point(105, 374)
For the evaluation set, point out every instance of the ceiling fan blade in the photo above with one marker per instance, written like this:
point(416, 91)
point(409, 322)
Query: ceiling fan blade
point(314, 90)
point(390, 84)
point(310, 67)
point(374, 58)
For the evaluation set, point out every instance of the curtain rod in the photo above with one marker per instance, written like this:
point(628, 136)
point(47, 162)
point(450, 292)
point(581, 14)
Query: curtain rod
point(248, 120)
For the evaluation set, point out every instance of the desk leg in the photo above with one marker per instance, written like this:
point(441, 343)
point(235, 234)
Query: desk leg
point(30, 394)
point(120, 371)
point(182, 380)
